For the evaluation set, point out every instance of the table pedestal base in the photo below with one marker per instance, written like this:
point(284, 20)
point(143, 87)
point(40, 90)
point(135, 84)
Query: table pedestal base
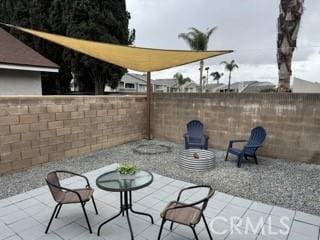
point(125, 206)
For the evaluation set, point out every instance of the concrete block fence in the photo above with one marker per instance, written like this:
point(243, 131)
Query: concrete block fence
point(36, 130)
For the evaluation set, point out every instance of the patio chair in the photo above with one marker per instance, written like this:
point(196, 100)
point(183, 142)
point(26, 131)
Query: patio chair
point(255, 141)
point(195, 138)
point(63, 195)
point(188, 214)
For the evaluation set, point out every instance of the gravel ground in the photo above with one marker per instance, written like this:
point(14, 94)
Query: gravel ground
point(292, 185)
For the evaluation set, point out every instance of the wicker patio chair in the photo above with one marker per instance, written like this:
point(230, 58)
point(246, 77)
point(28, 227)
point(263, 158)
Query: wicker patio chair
point(63, 195)
point(187, 214)
point(257, 137)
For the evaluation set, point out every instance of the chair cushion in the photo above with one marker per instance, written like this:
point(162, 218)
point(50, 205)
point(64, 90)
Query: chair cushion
point(186, 216)
point(70, 197)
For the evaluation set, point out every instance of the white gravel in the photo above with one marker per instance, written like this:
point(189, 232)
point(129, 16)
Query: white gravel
point(288, 184)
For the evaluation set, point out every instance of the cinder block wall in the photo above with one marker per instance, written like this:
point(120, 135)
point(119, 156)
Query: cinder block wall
point(35, 130)
point(292, 121)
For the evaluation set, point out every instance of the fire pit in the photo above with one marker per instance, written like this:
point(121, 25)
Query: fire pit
point(197, 159)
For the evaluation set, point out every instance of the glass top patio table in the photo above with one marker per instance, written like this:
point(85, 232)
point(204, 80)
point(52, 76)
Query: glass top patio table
point(114, 182)
point(124, 184)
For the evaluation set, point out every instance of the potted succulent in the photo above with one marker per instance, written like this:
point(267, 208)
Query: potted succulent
point(127, 171)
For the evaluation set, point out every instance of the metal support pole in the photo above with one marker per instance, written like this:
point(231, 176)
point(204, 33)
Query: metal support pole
point(149, 100)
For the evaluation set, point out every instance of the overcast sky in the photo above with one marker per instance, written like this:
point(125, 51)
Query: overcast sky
point(247, 26)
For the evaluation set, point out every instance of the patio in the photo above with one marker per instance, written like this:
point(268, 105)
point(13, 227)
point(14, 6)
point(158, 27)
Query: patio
point(24, 216)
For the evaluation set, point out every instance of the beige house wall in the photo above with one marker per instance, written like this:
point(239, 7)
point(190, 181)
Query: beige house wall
point(20, 82)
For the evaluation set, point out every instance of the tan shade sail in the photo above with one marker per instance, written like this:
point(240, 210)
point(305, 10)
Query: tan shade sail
point(134, 58)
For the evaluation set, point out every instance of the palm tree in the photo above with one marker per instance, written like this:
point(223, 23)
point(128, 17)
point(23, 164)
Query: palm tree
point(216, 76)
point(288, 27)
point(198, 40)
point(229, 66)
point(181, 80)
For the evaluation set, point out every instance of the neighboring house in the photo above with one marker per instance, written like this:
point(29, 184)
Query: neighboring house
point(304, 86)
point(190, 87)
point(247, 87)
point(165, 85)
point(213, 87)
point(132, 82)
point(21, 67)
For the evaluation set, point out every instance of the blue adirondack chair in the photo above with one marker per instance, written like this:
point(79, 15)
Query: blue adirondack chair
point(255, 141)
point(195, 138)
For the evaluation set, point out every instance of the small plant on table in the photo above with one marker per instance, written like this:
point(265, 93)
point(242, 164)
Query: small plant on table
point(127, 169)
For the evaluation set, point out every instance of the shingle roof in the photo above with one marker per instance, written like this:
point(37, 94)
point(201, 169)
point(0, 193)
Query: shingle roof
point(169, 82)
point(14, 52)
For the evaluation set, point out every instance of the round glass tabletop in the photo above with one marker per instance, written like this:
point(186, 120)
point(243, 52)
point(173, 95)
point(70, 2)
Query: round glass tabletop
point(115, 182)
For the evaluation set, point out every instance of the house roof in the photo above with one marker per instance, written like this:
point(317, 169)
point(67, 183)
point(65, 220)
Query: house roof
point(133, 78)
point(258, 87)
point(169, 82)
point(15, 53)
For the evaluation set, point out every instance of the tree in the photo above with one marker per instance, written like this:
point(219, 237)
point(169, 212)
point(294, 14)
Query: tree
point(229, 66)
point(288, 27)
point(216, 76)
point(105, 21)
point(181, 80)
point(198, 41)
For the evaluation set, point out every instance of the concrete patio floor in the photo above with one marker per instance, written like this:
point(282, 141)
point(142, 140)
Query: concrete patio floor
point(26, 215)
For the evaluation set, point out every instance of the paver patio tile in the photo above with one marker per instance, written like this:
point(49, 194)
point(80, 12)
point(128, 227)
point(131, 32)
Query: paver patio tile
point(24, 224)
point(211, 212)
point(4, 203)
point(185, 231)
point(50, 236)
point(222, 197)
point(305, 229)
point(149, 201)
point(171, 189)
point(37, 191)
point(217, 204)
point(298, 236)
point(261, 207)
point(165, 180)
point(253, 221)
point(33, 233)
point(273, 233)
point(280, 222)
point(27, 203)
point(9, 209)
point(279, 211)
point(152, 232)
point(307, 218)
point(14, 217)
point(174, 236)
point(160, 206)
point(15, 237)
point(241, 202)
point(179, 184)
point(204, 235)
point(70, 231)
point(161, 195)
point(35, 209)
point(5, 232)
point(234, 211)
point(18, 198)
point(241, 236)
point(113, 231)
